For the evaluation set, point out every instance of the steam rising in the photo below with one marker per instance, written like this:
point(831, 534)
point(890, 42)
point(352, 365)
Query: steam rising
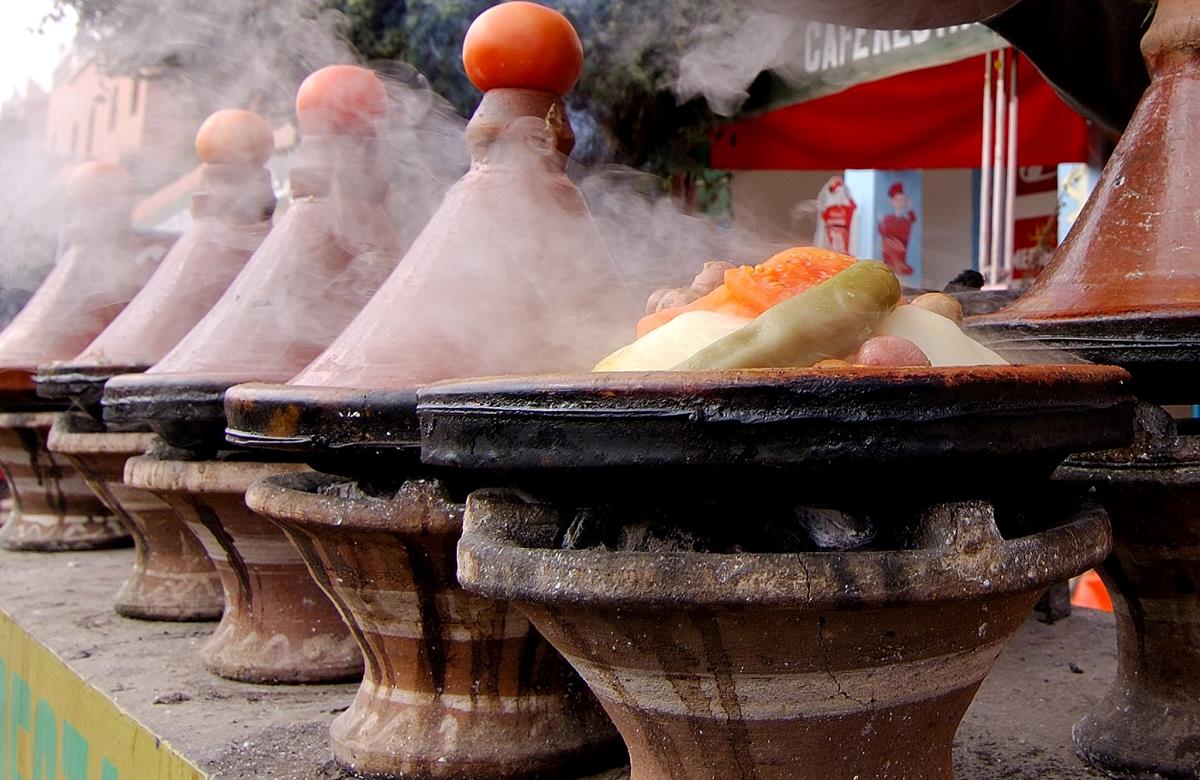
point(523, 257)
point(31, 242)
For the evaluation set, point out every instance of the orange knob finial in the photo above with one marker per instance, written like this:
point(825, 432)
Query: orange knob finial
point(341, 100)
point(94, 183)
point(235, 136)
point(525, 46)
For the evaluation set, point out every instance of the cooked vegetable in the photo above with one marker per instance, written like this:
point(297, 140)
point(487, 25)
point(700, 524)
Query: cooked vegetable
point(678, 340)
point(940, 303)
point(889, 352)
point(748, 291)
point(830, 320)
point(939, 338)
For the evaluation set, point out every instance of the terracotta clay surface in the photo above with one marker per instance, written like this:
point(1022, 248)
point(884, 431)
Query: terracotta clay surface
point(527, 289)
point(1124, 288)
point(456, 686)
point(1146, 725)
point(800, 666)
point(278, 626)
point(51, 506)
point(172, 577)
point(313, 273)
point(105, 264)
point(231, 214)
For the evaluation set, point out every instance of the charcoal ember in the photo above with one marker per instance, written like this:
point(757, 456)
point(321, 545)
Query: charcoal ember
point(644, 537)
point(587, 530)
point(355, 490)
point(347, 489)
point(832, 529)
point(1153, 422)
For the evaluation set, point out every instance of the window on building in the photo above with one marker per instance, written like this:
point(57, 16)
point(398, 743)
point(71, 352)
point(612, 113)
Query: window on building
point(114, 99)
point(91, 131)
point(133, 96)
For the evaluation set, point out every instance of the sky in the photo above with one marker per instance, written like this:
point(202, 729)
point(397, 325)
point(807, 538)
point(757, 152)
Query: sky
point(24, 52)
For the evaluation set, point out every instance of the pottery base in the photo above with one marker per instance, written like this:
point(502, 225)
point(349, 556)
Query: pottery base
point(278, 626)
point(51, 508)
point(172, 577)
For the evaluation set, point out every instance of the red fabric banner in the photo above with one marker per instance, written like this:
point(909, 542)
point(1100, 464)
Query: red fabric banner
point(930, 118)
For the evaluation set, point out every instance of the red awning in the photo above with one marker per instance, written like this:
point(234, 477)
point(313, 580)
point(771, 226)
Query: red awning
point(931, 118)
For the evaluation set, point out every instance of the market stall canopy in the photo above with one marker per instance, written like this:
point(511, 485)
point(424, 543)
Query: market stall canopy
point(929, 118)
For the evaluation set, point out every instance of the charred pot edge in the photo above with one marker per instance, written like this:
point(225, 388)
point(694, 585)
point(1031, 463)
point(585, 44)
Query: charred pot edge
point(187, 411)
point(78, 384)
point(501, 557)
point(288, 417)
point(293, 499)
point(794, 418)
point(1161, 351)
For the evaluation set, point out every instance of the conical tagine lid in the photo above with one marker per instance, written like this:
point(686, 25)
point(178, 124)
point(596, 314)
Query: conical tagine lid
point(510, 275)
point(105, 264)
point(1124, 288)
point(231, 213)
point(318, 266)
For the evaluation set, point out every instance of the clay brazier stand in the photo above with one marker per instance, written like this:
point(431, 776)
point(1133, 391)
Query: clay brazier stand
point(652, 537)
point(1124, 288)
point(50, 506)
point(456, 685)
point(321, 262)
point(172, 577)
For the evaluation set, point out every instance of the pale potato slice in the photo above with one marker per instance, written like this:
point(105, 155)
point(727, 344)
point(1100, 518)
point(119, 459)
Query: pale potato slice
point(939, 338)
point(668, 346)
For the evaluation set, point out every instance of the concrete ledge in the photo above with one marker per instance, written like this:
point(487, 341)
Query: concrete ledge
point(1017, 729)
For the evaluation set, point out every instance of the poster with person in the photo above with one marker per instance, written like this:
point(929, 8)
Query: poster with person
point(890, 220)
point(835, 216)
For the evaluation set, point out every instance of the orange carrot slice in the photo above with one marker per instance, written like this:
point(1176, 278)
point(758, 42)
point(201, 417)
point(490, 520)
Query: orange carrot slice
point(748, 291)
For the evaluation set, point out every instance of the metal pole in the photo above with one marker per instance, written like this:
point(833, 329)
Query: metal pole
point(985, 169)
point(1010, 200)
point(998, 167)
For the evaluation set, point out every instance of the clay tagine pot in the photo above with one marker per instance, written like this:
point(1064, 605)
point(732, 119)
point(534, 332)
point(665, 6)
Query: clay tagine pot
point(105, 265)
point(381, 539)
point(316, 269)
point(231, 215)
point(456, 685)
point(1124, 288)
point(172, 578)
point(756, 572)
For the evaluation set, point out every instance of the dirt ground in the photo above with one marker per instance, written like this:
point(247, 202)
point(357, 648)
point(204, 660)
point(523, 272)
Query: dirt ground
point(1017, 729)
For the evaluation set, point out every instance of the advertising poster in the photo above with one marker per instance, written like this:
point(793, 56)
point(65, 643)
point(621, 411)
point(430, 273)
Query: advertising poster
point(836, 217)
point(1075, 184)
point(889, 220)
